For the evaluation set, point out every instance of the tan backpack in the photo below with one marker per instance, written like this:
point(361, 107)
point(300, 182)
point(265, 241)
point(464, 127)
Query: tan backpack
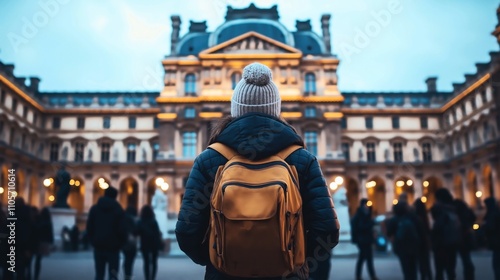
point(256, 227)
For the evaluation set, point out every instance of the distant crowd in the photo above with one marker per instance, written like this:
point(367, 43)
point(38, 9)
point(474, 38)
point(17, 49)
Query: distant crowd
point(414, 238)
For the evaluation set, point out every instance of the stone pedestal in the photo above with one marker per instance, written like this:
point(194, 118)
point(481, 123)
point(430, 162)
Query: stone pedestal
point(345, 247)
point(61, 217)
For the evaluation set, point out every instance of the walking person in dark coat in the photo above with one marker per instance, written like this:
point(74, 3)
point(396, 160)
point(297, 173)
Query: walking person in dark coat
point(424, 255)
point(34, 241)
point(445, 235)
point(45, 232)
point(362, 235)
point(467, 220)
point(404, 230)
point(107, 234)
point(491, 227)
point(150, 235)
point(256, 131)
point(130, 247)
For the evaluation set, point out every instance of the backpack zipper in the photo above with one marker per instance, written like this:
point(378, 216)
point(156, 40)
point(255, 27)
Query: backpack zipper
point(265, 165)
point(249, 186)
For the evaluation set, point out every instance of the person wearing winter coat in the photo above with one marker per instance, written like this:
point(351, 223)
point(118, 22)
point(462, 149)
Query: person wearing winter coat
point(362, 235)
point(107, 234)
point(467, 220)
point(445, 234)
point(491, 227)
point(424, 254)
point(256, 131)
point(130, 247)
point(45, 237)
point(150, 235)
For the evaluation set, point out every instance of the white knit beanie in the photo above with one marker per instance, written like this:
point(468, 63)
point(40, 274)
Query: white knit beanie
point(256, 92)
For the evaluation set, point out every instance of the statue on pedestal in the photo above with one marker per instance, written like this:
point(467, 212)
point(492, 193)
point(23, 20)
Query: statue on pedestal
point(345, 247)
point(160, 206)
point(62, 187)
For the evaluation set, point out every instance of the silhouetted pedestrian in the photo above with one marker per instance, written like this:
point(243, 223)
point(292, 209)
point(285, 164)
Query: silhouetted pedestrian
point(75, 238)
point(491, 227)
point(107, 234)
point(34, 240)
point(23, 231)
point(3, 245)
point(403, 229)
point(445, 234)
point(362, 235)
point(424, 256)
point(467, 220)
point(130, 247)
point(45, 233)
point(150, 235)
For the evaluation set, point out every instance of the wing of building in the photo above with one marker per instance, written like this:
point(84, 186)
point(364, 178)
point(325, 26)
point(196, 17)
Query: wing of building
point(382, 143)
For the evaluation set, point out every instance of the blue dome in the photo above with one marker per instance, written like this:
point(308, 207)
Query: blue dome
point(193, 43)
point(308, 43)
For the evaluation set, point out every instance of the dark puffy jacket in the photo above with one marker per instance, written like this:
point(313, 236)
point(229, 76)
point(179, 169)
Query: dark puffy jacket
point(150, 234)
point(106, 225)
point(255, 136)
point(362, 228)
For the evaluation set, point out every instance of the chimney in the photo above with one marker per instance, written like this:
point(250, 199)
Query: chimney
point(34, 83)
point(431, 84)
point(176, 27)
point(325, 27)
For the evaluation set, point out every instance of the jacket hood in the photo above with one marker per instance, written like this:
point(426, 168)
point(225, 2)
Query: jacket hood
point(257, 136)
point(106, 203)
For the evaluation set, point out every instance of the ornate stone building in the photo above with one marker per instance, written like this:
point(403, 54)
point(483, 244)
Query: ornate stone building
point(381, 143)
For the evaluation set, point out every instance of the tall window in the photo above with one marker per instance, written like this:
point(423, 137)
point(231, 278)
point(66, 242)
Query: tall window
point(131, 147)
point(189, 113)
point(54, 151)
point(343, 123)
point(370, 152)
point(427, 152)
point(454, 112)
point(484, 98)
point(2, 96)
point(25, 111)
point(79, 147)
point(473, 103)
point(486, 131)
point(35, 118)
point(310, 112)
point(132, 122)
point(106, 122)
point(310, 84)
point(423, 122)
point(467, 141)
point(23, 141)
point(11, 136)
point(189, 144)
point(475, 137)
point(190, 85)
point(56, 122)
point(369, 122)
point(156, 150)
point(345, 149)
point(105, 148)
point(311, 141)
point(398, 151)
point(235, 78)
point(156, 122)
point(80, 123)
point(462, 108)
point(395, 122)
point(14, 105)
point(459, 146)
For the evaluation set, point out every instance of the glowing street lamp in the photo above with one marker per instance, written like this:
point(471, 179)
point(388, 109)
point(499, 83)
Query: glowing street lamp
point(371, 184)
point(369, 203)
point(426, 184)
point(423, 199)
point(47, 182)
point(339, 180)
point(164, 187)
point(77, 183)
point(475, 226)
point(479, 194)
point(400, 184)
point(51, 198)
point(333, 186)
point(159, 181)
point(1, 190)
point(71, 182)
point(409, 183)
point(395, 201)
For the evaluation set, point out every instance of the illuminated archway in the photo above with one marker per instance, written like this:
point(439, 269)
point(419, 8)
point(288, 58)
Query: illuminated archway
point(431, 185)
point(404, 185)
point(458, 190)
point(128, 194)
point(473, 196)
point(489, 186)
point(21, 185)
point(34, 192)
point(76, 194)
point(353, 194)
point(375, 188)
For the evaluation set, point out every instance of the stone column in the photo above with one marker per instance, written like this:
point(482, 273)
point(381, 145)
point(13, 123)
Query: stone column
point(89, 192)
point(418, 186)
point(362, 185)
point(167, 137)
point(389, 191)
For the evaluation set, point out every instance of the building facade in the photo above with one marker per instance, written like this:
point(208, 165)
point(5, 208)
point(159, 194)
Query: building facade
point(381, 143)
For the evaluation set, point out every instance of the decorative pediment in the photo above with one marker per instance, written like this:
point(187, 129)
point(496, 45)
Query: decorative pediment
point(251, 43)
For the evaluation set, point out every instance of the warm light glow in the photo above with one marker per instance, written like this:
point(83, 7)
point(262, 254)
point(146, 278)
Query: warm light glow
point(409, 182)
point(475, 226)
point(159, 181)
point(77, 183)
point(423, 199)
point(339, 180)
point(47, 182)
point(395, 201)
point(371, 184)
point(130, 190)
point(479, 194)
point(369, 203)
point(104, 185)
point(164, 187)
point(1, 190)
point(71, 182)
point(14, 194)
point(101, 180)
point(51, 198)
point(400, 184)
point(333, 186)
point(426, 184)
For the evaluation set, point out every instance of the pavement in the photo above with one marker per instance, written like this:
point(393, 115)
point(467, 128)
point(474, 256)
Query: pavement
point(80, 266)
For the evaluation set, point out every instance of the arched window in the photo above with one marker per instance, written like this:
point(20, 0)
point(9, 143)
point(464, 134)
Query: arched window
point(311, 141)
point(235, 78)
point(190, 85)
point(310, 84)
point(189, 144)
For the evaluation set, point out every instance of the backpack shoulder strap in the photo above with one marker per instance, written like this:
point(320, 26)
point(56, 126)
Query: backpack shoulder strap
point(224, 150)
point(283, 154)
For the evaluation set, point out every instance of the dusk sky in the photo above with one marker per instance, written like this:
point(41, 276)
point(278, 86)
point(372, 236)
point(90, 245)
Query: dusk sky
point(118, 45)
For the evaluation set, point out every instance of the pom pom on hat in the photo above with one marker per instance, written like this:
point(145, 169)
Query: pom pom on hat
point(257, 74)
